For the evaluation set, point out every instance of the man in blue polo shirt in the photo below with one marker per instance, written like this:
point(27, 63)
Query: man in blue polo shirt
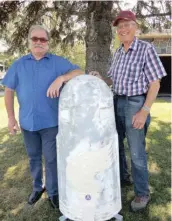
point(37, 79)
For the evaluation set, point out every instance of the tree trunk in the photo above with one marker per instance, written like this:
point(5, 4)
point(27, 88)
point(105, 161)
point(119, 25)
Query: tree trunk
point(98, 36)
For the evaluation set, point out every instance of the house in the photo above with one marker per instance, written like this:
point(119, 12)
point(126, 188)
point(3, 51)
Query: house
point(162, 44)
point(2, 70)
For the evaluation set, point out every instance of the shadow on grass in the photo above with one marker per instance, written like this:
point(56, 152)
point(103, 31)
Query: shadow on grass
point(15, 184)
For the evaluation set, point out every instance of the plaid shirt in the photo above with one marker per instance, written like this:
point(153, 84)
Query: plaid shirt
point(133, 71)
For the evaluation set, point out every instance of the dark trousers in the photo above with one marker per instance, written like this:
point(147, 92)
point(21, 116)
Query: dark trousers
point(38, 143)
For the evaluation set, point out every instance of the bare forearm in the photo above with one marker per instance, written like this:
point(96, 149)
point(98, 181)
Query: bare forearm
point(68, 76)
point(140, 117)
point(108, 81)
point(9, 102)
point(152, 93)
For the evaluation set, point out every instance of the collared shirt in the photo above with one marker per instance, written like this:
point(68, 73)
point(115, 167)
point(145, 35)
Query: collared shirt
point(31, 78)
point(133, 71)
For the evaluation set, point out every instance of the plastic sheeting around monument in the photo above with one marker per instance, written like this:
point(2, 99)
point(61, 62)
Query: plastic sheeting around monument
point(87, 151)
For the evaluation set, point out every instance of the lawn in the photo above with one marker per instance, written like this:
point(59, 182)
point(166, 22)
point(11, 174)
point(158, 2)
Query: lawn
point(15, 180)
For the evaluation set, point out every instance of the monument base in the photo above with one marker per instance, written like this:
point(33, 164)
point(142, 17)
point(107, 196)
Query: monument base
point(117, 217)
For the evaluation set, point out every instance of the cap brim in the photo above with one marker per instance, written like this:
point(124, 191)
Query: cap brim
point(114, 23)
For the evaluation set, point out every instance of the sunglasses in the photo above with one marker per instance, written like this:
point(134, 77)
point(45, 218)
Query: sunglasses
point(36, 39)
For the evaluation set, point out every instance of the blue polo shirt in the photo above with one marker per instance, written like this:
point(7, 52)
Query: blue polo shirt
point(31, 79)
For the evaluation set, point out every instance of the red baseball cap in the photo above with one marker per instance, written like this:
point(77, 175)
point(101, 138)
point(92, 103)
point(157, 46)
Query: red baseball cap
point(124, 15)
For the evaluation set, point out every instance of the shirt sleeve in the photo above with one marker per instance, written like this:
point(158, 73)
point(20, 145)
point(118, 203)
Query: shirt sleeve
point(110, 71)
point(67, 66)
point(11, 80)
point(153, 68)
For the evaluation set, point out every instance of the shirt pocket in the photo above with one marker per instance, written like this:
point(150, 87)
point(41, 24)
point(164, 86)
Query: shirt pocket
point(45, 78)
point(135, 71)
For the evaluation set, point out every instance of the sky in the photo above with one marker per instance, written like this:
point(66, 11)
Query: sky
point(2, 46)
point(128, 4)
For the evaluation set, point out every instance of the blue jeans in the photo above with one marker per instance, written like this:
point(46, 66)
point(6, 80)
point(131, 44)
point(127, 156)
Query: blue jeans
point(38, 143)
point(125, 108)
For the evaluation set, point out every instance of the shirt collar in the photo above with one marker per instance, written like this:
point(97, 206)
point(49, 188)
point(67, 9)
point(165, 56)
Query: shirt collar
point(133, 45)
point(30, 56)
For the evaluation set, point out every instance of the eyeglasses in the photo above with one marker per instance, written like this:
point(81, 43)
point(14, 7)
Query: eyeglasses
point(125, 25)
point(36, 39)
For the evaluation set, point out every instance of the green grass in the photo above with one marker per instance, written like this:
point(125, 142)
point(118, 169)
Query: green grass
point(15, 180)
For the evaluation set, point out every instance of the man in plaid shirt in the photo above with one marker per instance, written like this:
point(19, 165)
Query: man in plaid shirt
point(135, 74)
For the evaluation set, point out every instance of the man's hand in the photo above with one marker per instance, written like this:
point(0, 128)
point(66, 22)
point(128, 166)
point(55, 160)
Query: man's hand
point(139, 119)
point(96, 73)
point(53, 90)
point(108, 81)
point(13, 125)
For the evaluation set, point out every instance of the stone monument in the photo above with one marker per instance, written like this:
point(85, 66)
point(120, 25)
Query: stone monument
point(87, 152)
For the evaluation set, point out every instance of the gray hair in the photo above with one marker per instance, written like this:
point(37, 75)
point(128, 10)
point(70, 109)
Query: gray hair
point(38, 27)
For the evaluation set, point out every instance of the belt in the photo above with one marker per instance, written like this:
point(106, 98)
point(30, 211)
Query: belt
point(126, 96)
point(116, 95)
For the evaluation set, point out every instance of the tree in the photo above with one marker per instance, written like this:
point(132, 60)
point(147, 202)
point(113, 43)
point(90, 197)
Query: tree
point(68, 21)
